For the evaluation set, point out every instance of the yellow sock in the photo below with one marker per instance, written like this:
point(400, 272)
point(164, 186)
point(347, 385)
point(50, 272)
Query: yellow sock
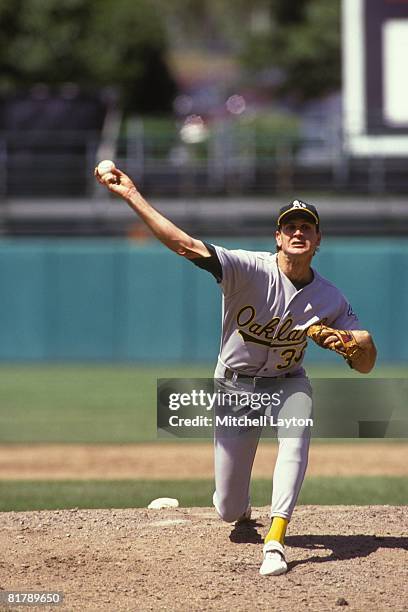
point(277, 530)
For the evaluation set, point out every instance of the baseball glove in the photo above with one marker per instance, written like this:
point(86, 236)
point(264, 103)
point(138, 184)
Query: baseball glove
point(342, 342)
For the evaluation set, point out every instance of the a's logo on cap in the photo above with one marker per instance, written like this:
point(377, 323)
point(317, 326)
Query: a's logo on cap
point(297, 207)
point(297, 204)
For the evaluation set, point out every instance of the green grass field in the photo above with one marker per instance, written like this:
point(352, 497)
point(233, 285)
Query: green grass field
point(50, 495)
point(99, 404)
point(117, 404)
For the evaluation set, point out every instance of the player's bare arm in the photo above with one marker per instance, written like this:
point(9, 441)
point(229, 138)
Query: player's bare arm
point(366, 358)
point(361, 358)
point(169, 234)
point(365, 362)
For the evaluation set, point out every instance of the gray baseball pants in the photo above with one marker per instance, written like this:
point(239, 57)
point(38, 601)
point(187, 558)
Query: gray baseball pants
point(235, 447)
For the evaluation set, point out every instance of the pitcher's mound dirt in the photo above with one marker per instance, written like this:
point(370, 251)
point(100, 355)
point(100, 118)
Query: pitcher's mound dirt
point(187, 559)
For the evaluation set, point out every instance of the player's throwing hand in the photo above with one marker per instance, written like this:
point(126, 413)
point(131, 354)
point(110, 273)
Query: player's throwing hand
point(117, 182)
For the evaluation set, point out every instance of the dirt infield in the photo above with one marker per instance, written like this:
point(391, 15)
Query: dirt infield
point(188, 559)
point(174, 461)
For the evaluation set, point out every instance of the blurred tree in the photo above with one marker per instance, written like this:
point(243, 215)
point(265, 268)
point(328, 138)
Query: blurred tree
point(301, 37)
point(94, 43)
point(305, 44)
point(288, 12)
point(212, 25)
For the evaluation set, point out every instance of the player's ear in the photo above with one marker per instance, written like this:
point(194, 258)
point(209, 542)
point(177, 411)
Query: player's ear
point(278, 238)
point(319, 238)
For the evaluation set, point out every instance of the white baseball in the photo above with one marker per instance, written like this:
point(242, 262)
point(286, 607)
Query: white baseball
point(105, 166)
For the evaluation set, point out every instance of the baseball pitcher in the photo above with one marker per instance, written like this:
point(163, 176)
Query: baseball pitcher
point(272, 302)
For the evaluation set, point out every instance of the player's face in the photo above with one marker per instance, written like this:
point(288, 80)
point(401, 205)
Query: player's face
point(297, 236)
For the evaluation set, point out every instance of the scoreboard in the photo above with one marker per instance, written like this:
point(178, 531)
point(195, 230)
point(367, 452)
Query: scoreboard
point(375, 77)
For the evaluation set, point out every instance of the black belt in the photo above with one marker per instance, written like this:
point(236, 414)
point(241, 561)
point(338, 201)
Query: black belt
point(231, 374)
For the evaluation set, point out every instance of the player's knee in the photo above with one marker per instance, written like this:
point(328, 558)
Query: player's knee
point(229, 515)
point(228, 510)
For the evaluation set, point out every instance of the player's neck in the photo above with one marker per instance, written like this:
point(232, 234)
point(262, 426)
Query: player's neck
point(297, 270)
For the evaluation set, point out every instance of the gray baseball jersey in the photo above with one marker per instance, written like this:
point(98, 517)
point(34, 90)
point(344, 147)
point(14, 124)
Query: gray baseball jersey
point(265, 317)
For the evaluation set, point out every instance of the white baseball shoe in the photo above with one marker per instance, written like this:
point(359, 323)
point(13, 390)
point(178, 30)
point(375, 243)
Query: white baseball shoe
point(273, 562)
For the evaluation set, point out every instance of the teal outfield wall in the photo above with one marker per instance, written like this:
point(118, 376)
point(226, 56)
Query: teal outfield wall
point(117, 301)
